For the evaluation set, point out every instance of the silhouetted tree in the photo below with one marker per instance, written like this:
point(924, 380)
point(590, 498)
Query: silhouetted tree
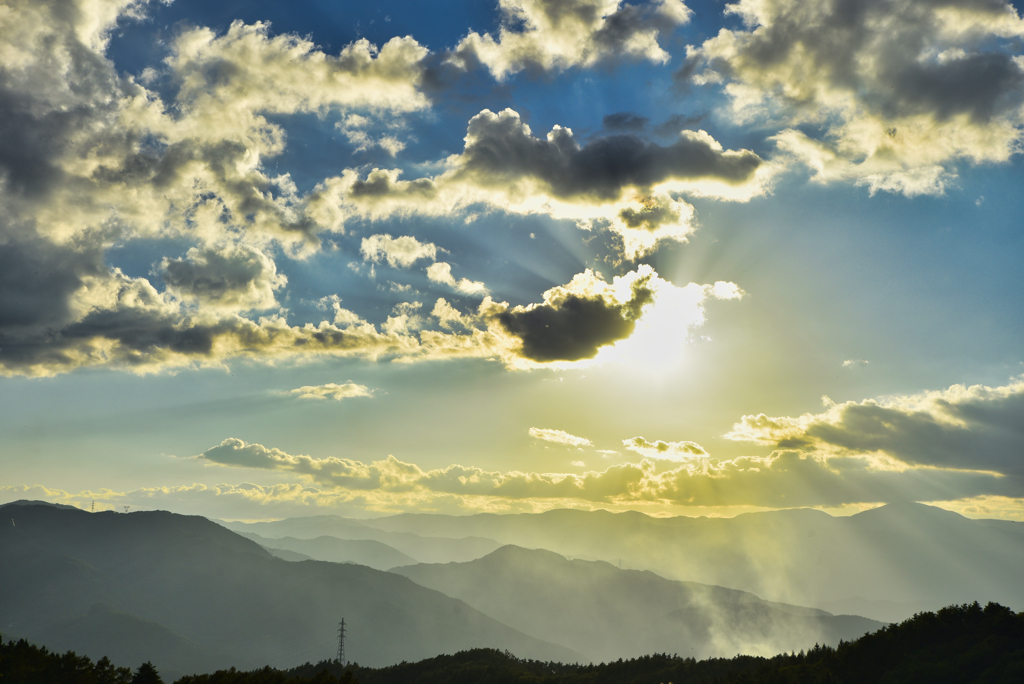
point(147, 674)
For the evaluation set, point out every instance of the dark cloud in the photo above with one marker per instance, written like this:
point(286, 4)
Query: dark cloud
point(625, 121)
point(678, 122)
point(37, 278)
point(651, 215)
point(500, 149)
point(236, 276)
point(980, 433)
point(381, 183)
point(571, 326)
point(980, 85)
point(962, 428)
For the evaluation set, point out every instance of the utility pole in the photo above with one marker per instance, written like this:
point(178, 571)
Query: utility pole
point(341, 643)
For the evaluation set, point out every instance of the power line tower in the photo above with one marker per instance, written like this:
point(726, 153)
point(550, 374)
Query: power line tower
point(341, 643)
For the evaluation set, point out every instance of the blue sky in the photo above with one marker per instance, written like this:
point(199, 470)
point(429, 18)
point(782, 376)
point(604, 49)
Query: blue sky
point(264, 259)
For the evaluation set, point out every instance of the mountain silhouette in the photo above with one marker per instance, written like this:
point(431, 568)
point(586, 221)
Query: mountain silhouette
point(362, 551)
point(607, 613)
point(423, 548)
point(907, 554)
point(210, 587)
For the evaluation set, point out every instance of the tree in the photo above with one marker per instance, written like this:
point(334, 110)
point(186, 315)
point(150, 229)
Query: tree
point(147, 674)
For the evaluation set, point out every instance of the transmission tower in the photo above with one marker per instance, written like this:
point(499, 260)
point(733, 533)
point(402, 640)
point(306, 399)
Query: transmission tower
point(341, 643)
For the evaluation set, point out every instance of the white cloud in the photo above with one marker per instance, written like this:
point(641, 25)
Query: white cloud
point(441, 272)
point(403, 251)
point(559, 437)
point(332, 391)
point(554, 35)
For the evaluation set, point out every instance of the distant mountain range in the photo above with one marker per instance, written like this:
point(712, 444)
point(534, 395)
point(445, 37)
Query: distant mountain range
point(606, 613)
point(361, 551)
point(428, 548)
point(886, 563)
point(192, 596)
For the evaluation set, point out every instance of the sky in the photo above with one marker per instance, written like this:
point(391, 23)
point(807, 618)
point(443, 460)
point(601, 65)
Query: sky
point(265, 259)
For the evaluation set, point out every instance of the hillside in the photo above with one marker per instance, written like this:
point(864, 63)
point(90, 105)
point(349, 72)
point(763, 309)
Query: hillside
point(607, 613)
point(210, 587)
point(907, 556)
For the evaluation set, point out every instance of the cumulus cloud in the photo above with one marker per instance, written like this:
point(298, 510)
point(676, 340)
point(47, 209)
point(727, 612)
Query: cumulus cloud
point(234, 277)
point(903, 90)
point(622, 182)
point(441, 272)
point(665, 451)
point(577, 319)
point(553, 35)
point(975, 428)
point(332, 390)
point(559, 437)
point(402, 251)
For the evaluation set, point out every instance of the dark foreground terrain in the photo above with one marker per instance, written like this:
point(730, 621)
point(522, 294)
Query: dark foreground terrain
point(958, 644)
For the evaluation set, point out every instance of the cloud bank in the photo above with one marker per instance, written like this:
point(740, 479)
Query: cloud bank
point(902, 90)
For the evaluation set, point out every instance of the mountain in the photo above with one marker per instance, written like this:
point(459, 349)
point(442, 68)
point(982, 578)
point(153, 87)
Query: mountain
point(961, 644)
point(429, 548)
point(910, 554)
point(211, 588)
point(607, 613)
point(126, 640)
point(325, 548)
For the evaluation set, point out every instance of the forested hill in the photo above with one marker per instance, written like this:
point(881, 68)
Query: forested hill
point(960, 644)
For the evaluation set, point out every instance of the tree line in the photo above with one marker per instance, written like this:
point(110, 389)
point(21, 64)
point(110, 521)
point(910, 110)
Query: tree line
point(958, 644)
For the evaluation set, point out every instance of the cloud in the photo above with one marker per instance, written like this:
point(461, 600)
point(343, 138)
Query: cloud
point(575, 320)
point(332, 391)
point(559, 437)
point(93, 158)
point(393, 475)
point(625, 121)
point(786, 478)
point(621, 182)
point(246, 69)
point(235, 277)
point(441, 272)
point(975, 428)
point(106, 318)
point(854, 363)
point(665, 451)
point(554, 35)
point(902, 90)
point(402, 251)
